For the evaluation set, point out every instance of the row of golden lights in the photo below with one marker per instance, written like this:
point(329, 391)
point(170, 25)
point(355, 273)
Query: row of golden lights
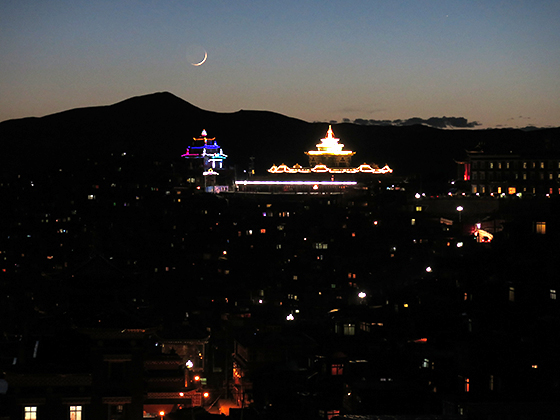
point(321, 168)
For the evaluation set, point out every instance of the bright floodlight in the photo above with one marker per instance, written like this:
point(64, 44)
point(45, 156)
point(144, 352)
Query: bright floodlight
point(189, 364)
point(290, 317)
point(428, 269)
point(460, 208)
point(417, 195)
point(362, 295)
point(459, 244)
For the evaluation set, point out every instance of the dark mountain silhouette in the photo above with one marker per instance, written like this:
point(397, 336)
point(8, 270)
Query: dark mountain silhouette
point(159, 126)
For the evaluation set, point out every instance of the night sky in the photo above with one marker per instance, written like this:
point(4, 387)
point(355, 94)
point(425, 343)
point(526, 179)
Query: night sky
point(495, 62)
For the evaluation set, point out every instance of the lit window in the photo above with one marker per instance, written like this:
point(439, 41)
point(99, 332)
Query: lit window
point(512, 294)
point(540, 228)
point(30, 413)
point(467, 385)
point(337, 369)
point(75, 412)
point(552, 294)
point(491, 382)
point(542, 165)
point(512, 190)
point(349, 329)
point(491, 165)
point(499, 190)
point(412, 222)
point(263, 230)
point(418, 208)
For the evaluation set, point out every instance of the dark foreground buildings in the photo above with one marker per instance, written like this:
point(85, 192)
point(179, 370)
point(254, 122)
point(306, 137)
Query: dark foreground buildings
point(128, 293)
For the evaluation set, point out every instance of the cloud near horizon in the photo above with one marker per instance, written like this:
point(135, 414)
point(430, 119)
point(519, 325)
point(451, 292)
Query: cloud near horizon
point(437, 122)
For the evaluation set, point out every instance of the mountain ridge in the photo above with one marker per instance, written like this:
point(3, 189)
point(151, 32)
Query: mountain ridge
point(161, 125)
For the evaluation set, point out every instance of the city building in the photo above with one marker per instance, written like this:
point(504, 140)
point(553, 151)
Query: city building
point(511, 173)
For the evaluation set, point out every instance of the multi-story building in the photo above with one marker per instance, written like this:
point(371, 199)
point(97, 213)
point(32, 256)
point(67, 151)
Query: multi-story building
point(510, 174)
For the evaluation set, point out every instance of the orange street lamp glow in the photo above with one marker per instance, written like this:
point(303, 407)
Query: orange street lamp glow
point(206, 395)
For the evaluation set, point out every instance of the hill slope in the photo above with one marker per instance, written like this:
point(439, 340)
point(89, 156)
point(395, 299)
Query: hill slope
point(161, 125)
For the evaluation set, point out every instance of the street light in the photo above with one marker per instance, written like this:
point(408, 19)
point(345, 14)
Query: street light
point(460, 210)
point(161, 414)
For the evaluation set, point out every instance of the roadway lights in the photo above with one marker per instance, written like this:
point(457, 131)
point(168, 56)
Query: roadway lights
point(362, 295)
point(460, 210)
point(428, 269)
point(290, 317)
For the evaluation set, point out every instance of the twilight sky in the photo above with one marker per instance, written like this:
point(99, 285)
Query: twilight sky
point(496, 62)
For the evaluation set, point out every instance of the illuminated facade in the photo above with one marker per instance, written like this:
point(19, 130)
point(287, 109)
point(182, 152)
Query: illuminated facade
point(330, 158)
point(511, 174)
point(208, 150)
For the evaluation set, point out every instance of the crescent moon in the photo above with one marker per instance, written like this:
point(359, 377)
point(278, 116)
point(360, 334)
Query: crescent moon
point(203, 60)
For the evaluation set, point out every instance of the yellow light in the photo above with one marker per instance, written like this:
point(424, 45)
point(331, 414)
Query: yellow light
point(197, 378)
point(162, 413)
point(206, 395)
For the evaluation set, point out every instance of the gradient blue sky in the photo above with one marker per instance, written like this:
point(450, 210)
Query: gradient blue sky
point(496, 62)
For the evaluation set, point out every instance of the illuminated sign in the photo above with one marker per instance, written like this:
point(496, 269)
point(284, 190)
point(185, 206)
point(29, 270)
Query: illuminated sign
point(295, 183)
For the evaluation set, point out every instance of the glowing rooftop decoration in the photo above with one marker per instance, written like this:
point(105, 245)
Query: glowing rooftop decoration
point(330, 146)
point(297, 169)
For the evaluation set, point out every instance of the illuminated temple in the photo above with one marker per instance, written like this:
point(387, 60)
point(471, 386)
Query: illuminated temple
point(329, 171)
point(330, 158)
point(206, 149)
